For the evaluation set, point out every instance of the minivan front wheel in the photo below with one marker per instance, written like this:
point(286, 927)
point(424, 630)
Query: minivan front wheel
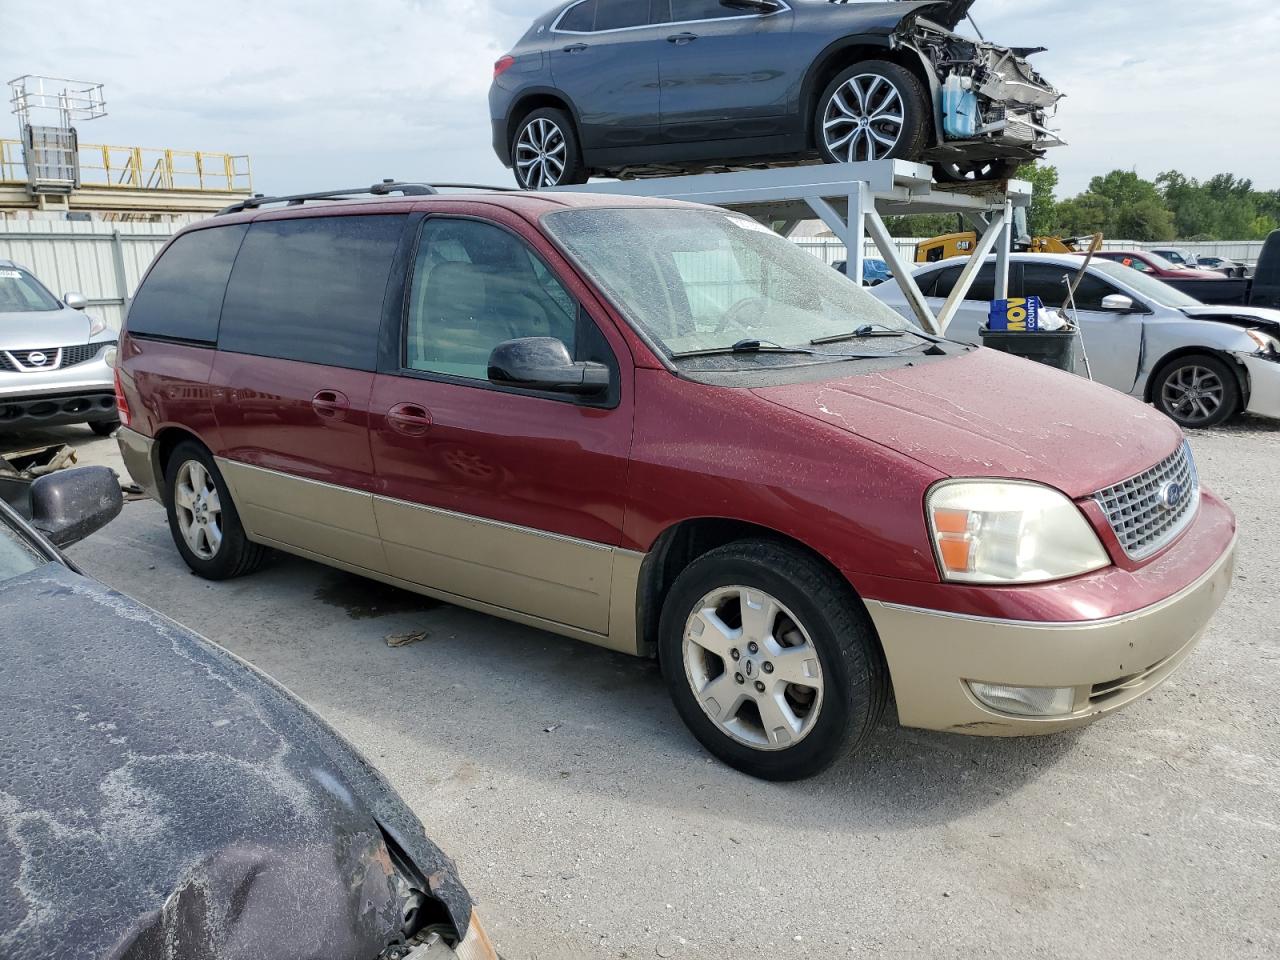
point(545, 151)
point(770, 660)
point(873, 110)
point(202, 518)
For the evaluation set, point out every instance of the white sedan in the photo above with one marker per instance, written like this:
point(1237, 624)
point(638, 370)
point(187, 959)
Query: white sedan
point(1198, 364)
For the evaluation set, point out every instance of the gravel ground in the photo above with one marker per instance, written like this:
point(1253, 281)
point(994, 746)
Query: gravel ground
point(588, 823)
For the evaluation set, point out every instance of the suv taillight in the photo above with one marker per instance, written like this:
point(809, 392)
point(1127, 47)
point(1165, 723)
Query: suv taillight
point(122, 405)
point(502, 65)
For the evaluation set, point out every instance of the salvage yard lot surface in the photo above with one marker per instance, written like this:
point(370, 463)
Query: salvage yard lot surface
point(589, 823)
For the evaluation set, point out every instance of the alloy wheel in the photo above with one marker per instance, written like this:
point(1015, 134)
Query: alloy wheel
point(540, 154)
point(864, 119)
point(1193, 394)
point(198, 509)
point(753, 668)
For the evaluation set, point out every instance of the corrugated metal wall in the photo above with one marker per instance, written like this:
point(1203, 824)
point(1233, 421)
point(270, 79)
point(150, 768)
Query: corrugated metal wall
point(102, 260)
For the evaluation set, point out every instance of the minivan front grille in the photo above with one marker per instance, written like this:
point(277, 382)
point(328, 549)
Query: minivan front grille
point(1149, 510)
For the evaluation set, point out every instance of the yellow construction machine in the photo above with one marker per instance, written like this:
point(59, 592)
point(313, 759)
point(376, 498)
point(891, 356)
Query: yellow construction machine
point(962, 244)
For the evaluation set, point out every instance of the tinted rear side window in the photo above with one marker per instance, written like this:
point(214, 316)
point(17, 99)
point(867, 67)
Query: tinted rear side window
point(311, 289)
point(581, 18)
point(182, 295)
point(616, 14)
point(984, 287)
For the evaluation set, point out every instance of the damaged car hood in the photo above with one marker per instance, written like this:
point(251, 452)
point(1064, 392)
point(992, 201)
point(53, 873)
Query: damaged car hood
point(985, 414)
point(946, 13)
point(1246, 318)
point(161, 798)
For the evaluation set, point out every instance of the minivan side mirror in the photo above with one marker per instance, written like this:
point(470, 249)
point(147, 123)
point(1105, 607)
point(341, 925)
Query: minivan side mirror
point(544, 363)
point(69, 505)
point(76, 301)
point(1118, 302)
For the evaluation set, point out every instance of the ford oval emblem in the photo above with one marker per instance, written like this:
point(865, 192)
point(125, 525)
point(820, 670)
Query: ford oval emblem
point(1171, 495)
point(36, 359)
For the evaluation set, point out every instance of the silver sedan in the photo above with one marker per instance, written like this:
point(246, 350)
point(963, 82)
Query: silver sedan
point(1199, 364)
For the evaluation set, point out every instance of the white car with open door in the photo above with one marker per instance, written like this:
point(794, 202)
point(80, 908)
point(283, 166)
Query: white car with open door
point(1199, 364)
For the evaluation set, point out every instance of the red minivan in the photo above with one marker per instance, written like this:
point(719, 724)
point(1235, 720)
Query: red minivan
point(666, 430)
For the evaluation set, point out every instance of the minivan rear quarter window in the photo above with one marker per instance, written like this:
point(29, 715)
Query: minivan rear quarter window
point(182, 295)
point(311, 289)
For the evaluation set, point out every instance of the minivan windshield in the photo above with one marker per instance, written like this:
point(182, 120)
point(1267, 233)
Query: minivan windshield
point(20, 292)
point(1145, 285)
point(696, 280)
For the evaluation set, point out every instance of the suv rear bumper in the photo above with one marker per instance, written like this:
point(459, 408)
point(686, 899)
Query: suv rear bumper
point(933, 655)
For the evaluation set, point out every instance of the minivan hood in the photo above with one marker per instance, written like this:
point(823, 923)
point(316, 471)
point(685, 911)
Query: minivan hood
point(986, 414)
point(46, 328)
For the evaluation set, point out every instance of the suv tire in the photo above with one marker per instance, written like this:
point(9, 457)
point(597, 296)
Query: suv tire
point(874, 90)
point(202, 517)
point(977, 171)
point(732, 683)
point(546, 143)
point(1197, 391)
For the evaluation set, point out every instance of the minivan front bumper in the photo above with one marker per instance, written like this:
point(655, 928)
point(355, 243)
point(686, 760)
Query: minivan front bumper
point(934, 656)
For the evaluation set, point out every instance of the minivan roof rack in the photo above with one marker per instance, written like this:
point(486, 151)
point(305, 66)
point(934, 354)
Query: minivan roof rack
point(382, 189)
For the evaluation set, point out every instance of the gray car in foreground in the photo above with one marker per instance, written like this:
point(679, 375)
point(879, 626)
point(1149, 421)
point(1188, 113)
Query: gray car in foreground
point(640, 87)
point(55, 359)
point(1199, 364)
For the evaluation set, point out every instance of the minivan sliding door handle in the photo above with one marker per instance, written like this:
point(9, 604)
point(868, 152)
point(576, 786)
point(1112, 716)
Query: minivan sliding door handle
point(331, 405)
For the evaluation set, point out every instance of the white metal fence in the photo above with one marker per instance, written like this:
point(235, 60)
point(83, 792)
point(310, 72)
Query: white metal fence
point(100, 259)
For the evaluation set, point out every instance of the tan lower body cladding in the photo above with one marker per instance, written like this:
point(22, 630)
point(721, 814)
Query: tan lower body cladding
point(574, 587)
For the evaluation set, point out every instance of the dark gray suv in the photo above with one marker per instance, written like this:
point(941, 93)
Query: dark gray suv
point(639, 87)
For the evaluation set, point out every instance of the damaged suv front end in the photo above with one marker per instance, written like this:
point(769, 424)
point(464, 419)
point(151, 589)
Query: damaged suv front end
point(992, 108)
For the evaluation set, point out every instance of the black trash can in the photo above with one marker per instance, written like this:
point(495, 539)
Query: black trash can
point(1053, 348)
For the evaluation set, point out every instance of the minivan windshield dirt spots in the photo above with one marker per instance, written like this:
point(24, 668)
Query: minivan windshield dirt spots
point(22, 293)
point(696, 280)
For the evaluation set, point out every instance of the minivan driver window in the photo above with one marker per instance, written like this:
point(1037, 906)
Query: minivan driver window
point(22, 293)
point(474, 286)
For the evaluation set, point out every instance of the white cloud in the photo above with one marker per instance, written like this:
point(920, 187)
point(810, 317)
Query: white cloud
point(325, 93)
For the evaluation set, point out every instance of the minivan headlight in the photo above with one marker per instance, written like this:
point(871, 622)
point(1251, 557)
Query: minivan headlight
point(1008, 531)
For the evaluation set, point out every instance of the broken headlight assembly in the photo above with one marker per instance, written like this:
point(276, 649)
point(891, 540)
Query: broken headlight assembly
point(1007, 531)
point(1268, 346)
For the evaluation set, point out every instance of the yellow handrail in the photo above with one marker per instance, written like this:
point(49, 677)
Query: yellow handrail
point(144, 168)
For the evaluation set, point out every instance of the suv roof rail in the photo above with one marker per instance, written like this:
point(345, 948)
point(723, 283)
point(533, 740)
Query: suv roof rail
point(381, 189)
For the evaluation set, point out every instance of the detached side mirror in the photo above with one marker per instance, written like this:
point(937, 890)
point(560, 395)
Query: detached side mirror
point(69, 505)
point(76, 301)
point(544, 363)
point(1118, 302)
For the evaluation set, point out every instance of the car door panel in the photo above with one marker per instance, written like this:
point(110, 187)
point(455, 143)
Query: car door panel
point(611, 77)
point(501, 496)
point(729, 77)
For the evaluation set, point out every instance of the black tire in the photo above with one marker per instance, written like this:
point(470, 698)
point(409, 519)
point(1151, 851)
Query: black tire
point(912, 134)
point(978, 171)
point(855, 684)
point(1189, 414)
point(237, 555)
point(543, 120)
point(104, 428)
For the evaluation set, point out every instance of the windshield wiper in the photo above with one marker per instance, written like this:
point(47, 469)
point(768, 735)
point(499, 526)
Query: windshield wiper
point(744, 347)
point(869, 330)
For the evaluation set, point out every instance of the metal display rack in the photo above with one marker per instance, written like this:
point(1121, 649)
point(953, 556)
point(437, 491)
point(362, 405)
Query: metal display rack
point(852, 199)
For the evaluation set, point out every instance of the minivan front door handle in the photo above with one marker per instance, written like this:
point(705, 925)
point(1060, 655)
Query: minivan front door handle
point(575, 48)
point(679, 38)
point(409, 419)
point(331, 405)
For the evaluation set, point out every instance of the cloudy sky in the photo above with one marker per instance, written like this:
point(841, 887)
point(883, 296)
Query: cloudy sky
point(327, 93)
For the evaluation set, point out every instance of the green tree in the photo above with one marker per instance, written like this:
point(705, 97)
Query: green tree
point(1084, 214)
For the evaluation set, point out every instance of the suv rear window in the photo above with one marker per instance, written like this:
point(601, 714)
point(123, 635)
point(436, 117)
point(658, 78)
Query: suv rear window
point(311, 289)
point(182, 295)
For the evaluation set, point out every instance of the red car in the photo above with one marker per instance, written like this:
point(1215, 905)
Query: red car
point(1157, 266)
point(663, 429)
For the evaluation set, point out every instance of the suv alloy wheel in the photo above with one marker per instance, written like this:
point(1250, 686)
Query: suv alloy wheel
point(545, 152)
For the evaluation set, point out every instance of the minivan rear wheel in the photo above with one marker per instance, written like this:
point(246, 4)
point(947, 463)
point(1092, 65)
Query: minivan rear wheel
point(771, 660)
point(874, 110)
point(545, 151)
point(202, 517)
